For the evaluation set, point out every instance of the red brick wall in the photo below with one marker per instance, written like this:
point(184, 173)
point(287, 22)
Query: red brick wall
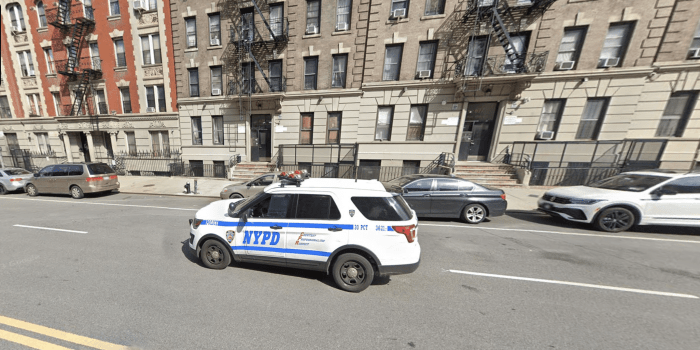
point(11, 83)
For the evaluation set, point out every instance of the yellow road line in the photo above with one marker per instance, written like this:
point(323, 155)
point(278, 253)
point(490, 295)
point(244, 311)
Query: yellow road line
point(73, 338)
point(30, 342)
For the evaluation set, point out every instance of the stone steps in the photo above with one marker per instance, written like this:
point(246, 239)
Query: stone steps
point(488, 174)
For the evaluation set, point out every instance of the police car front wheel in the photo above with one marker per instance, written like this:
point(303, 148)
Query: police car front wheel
point(214, 255)
point(353, 272)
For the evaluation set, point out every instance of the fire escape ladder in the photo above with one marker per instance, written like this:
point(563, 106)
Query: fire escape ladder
point(79, 30)
point(257, 9)
point(255, 60)
point(499, 29)
point(539, 6)
point(80, 93)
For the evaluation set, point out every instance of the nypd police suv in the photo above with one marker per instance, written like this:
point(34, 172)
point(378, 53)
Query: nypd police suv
point(352, 229)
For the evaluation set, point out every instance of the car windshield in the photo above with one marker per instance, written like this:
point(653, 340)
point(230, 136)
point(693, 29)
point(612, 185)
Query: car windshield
point(630, 182)
point(11, 172)
point(244, 203)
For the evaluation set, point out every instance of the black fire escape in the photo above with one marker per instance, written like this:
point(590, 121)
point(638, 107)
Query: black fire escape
point(256, 47)
point(75, 22)
point(500, 22)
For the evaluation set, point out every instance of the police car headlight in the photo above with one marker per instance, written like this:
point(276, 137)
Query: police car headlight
point(196, 223)
point(585, 201)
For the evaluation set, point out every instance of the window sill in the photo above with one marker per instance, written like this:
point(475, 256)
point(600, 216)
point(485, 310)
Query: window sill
point(192, 49)
point(215, 47)
point(51, 75)
point(397, 20)
point(308, 36)
point(42, 30)
point(114, 18)
point(120, 69)
point(345, 32)
point(429, 17)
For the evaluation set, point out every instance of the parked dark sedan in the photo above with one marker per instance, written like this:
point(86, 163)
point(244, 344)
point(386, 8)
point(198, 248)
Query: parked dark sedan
point(447, 196)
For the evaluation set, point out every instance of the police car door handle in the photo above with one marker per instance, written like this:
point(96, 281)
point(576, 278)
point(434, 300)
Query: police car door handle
point(335, 229)
point(276, 227)
point(426, 195)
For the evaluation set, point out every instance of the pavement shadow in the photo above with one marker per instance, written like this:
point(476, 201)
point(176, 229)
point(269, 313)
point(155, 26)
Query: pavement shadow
point(67, 195)
point(543, 219)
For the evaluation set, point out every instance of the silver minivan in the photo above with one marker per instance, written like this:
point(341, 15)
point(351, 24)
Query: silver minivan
point(74, 178)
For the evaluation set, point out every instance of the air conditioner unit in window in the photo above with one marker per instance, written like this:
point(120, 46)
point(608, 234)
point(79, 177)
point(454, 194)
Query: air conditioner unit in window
point(424, 74)
point(150, 109)
point(545, 135)
point(215, 92)
point(566, 65)
point(610, 62)
point(139, 5)
point(694, 53)
point(311, 29)
point(399, 13)
point(214, 42)
point(342, 26)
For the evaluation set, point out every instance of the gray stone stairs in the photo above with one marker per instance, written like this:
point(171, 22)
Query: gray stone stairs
point(488, 174)
point(250, 170)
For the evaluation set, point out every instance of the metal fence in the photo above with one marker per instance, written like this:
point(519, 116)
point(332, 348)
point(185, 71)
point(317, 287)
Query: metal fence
point(147, 163)
point(202, 170)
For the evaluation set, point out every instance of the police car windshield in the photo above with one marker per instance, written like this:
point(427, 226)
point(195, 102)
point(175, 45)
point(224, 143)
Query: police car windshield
point(244, 203)
point(629, 183)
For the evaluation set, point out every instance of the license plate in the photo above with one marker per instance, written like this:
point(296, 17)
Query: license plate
point(105, 178)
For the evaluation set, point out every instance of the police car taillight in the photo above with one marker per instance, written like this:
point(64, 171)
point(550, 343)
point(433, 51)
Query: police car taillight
point(408, 231)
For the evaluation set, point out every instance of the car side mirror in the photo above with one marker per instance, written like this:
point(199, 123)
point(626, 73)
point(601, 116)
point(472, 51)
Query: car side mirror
point(248, 213)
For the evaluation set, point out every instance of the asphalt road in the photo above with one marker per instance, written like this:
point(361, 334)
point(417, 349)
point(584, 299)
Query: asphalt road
point(522, 281)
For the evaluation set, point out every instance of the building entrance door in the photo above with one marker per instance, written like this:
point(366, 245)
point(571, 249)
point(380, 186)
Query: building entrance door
point(84, 148)
point(260, 134)
point(477, 132)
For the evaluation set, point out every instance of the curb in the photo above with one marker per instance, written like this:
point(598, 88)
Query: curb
point(170, 195)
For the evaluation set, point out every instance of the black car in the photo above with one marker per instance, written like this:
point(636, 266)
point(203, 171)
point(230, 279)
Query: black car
point(447, 196)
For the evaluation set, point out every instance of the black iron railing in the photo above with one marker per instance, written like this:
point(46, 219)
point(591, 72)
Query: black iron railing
point(258, 33)
point(530, 63)
point(74, 66)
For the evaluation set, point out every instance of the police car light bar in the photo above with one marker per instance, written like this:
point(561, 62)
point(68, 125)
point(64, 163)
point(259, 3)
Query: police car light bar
point(296, 177)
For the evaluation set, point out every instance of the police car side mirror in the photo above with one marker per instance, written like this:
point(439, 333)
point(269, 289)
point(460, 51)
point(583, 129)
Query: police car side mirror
point(248, 213)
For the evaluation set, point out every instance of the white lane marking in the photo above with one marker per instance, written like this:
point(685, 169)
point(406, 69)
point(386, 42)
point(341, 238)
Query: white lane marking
point(576, 284)
point(96, 203)
point(50, 229)
point(569, 233)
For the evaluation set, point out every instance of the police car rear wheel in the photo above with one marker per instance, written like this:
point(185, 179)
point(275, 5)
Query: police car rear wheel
point(353, 273)
point(214, 255)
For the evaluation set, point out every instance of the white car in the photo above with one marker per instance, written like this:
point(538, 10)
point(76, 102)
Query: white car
point(354, 230)
point(654, 197)
point(14, 179)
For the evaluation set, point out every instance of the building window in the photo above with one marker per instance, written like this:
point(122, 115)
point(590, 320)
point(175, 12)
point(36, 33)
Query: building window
point(474, 62)
point(392, 62)
point(217, 130)
point(5, 111)
point(275, 72)
point(570, 48)
point(16, 17)
point(121, 55)
point(101, 102)
point(307, 128)
point(385, 115)
point(160, 143)
point(50, 65)
point(114, 7)
point(399, 5)
point(26, 64)
point(592, 119)
point(150, 5)
point(217, 84)
point(248, 24)
point(131, 142)
point(191, 32)
point(126, 100)
point(248, 77)
point(334, 122)
point(155, 97)
point(95, 56)
point(677, 113)
point(342, 16)
point(434, 7)
point(694, 52)
point(34, 105)
point(214, 30)
point(550, 118)
point(277, 19)
point(310, 72)
point(42, 14)
point(42, 139)
point(194, 82)
point(426, 60)
point(416, 123)
point(615, 46)
point(313, 16)
point(150, 46)
point(340, 63)
point(196, 130)
point(519, 43)
point(57, 102)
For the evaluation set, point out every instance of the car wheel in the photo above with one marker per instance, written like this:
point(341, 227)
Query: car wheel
point(474, 213)
point(353, 273)
point(31, 190)
point(214, 255)
point(235, 196)
point(615, 219)
point(76, 192)
point(2, 190)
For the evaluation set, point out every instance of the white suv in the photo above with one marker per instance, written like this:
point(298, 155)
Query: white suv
point(653, 197)
point(351, 229)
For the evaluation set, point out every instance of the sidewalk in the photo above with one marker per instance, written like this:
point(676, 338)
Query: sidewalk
point(518, 198)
